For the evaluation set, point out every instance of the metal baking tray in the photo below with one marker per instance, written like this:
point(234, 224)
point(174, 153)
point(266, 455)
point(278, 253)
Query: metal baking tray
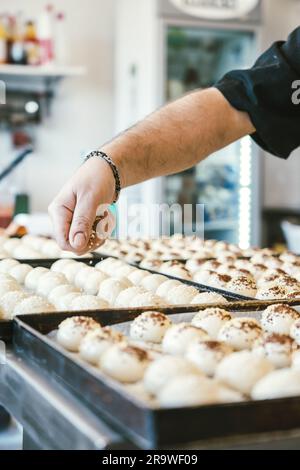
point(6, 325)
point(47, 262)
point(149, 427)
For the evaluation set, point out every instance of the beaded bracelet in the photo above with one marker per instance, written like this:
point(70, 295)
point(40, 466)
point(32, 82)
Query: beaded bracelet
point(114, 169)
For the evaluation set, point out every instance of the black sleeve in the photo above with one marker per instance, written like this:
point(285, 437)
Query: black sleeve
point(265, 91)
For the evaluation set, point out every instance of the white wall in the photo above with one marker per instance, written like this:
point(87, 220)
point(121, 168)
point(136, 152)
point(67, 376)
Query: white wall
point(82, 113)
point(281, 178)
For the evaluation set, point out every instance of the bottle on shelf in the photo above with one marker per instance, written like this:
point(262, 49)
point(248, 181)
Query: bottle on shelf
point(17, 53)
point(3, 41)
point(32, 48)
point(45, 35)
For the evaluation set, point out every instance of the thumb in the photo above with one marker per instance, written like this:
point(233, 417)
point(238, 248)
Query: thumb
point(82, 222)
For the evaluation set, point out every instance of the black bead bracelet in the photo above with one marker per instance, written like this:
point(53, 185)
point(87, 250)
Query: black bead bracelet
point(114, 169)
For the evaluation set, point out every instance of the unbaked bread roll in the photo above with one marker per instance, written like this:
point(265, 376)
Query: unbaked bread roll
point(188, 390)
point(240, 333)
point(150, 326)
point(211, 320)
point(96, 342)
point(72, 330)
point(165, 368)
point(178, 337)
point(242, 370)
point(124, 363)
point(278, 384)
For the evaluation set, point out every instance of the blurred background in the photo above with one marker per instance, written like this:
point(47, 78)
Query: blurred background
point(76, 73)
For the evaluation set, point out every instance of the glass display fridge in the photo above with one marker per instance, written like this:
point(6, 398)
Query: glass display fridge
point(185, 53)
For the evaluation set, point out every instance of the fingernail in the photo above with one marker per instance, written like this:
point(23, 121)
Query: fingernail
point(79, 240)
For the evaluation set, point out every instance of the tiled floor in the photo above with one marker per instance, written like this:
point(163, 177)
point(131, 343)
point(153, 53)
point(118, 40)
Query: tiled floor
point(11, 438)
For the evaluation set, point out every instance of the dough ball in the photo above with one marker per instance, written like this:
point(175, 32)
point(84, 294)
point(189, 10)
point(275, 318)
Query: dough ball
point(211, 320)
point(137, 276)
point(95, 343)
point(242, 370)
point(152, 282)
point(93, 281)
point(178, 337)
point(295, 331)
point(6, 277)
point(49, 281)
point(166, 286)
point(206, 355)
point(188, 390)
point(181, 295)
point(278, 384)
point(124, 363)
point(165, 368)
point(110, 288)
point(7, 264)
point(33, 304)
point(9, 301)
point(109, 266)
point(11, 244)
point(209, 298)
point(240, 333)
point(146, 299)
point(33, 277)
point(278, 318)
point(25, 252)
point(88, 302)
point(63, 304)
point(61, 291)
point(296, 359)
point(219, 281)
point(20, 272)
point(82, 275)
point(7, 286)
point(60, 264)
point(51, 249)
point(176, 269)
point(276, 348)
point(71, 270)
point(242, 285)
point(272, 293)
point(124, 271)
point(72, 330)
point(203, 276)
point(150, 326)
point(125, 297)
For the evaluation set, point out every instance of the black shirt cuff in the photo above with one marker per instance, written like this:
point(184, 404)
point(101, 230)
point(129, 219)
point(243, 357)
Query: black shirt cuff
point(265, 93)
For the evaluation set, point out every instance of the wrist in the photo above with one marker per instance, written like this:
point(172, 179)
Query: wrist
point(113, 169)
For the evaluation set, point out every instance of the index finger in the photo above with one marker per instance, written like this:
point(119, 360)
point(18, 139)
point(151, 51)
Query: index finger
point(61, 217)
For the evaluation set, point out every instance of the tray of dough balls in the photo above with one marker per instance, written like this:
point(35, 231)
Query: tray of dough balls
point(164, 378)
point(175, 247)
point(262, 277)
point(73, 285)
point(38, 251)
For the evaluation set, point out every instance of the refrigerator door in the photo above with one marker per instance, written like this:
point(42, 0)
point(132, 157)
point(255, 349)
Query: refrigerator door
point(196, 57)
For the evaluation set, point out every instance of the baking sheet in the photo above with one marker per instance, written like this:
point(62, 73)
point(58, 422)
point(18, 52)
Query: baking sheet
point(6, 328)
point(146, 425)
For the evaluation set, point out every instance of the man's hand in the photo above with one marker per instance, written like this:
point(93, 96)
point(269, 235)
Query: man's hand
point(73, 211)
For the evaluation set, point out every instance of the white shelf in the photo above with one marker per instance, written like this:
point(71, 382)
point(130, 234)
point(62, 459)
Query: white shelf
point(41, 71)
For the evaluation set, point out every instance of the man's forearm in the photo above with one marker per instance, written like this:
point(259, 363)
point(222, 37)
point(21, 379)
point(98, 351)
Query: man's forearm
point(177, 136)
